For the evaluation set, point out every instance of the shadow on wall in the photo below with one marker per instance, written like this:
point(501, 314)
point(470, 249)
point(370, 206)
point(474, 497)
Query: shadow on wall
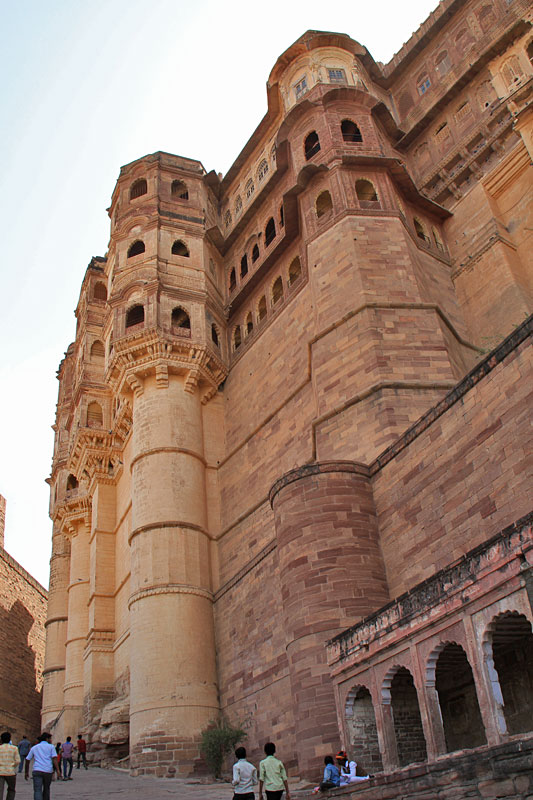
point(19, 697)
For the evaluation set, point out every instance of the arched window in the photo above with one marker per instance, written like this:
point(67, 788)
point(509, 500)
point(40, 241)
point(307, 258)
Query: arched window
point(443, 136)
point(362, 729)
point(281, 217)
point(486, 18)
point(323, 203)
point(263, 169)
point(463, 113)
point(249, 188)
point(232, 280)
point(443, 63)
point(437, 239)
point(138, 188)
point(249, 325)
point(136, 248)
point(423, 83)
point(95, 417)
point(456, 690)
point(405, 104)
point(134, 316)
point(179, 248)
point(237, 339)
point(180, 319)
point(512, 71)
point(255, 253)
point(270, 232)
point(485, 94)
point(422, 154)
point(510, 655)
point(214, 335)
point(410, 741)
point(277, 290)
point(97, 350)
point(179, 190)
point(350, 131)
point(311, 145)
point(100, 291)
point(244, 265)
point(238, 205)
point(420, 230)
point(295, 270)
point(273, 154)
point(529, 52)
point(261, 309)
point(463, 41)
point(365, 191)
point(227, 218)
point(72, 483)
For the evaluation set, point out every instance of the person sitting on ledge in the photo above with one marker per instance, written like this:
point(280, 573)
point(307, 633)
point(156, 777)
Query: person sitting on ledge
point(348, 769)
point(332, 775)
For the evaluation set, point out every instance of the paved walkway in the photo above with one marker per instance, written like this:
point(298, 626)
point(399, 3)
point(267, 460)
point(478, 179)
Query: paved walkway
point(98, 784)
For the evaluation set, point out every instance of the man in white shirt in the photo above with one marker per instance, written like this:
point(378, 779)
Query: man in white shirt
point(44, 759)
point(244, 777)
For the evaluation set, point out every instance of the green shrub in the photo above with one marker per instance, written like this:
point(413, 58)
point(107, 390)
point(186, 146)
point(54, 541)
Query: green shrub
point(218, 739)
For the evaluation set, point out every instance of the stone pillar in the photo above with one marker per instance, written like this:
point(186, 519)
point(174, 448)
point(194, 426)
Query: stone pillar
point(173, 693)
point(56, 629)
point(77, 629)
point(332, 575)
point(99, 666)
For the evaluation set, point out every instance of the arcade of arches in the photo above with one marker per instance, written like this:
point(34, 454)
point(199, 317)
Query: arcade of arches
point(438, 682)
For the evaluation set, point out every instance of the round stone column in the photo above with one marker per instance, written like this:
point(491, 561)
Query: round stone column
point(77, 628)
point(56, 629)
point(332, 575)
point(173, 693)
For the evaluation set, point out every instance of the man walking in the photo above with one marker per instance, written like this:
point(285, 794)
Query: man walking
point(272, 775)
point(68, 761)
point(24, 748)
point(9, 761)
point(44, 760)
point(81, 745)
point(244, 777)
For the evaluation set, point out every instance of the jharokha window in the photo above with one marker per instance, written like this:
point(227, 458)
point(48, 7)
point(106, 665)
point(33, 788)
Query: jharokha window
point(135, 316)
point(179, 190)
point(300, 88)
point(138, 188)
point(350, 131)
point(336, 75)
point(136, 248)
point(311, 145)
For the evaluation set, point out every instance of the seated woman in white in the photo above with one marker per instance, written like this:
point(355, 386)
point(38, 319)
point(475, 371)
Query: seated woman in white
point(348, 770)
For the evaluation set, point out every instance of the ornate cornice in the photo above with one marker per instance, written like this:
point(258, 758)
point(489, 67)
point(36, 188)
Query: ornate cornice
point(73, 512)
point(149, 352)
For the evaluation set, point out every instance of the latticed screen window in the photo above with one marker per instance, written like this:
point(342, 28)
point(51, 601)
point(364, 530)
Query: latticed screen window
point(301, 87)
point(336, 75)
point(463, 112)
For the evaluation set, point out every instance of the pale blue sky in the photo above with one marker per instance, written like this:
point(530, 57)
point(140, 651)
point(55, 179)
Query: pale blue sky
point(88, 87)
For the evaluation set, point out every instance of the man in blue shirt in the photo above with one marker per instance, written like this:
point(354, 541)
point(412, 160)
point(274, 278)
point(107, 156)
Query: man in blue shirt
point(44, 759)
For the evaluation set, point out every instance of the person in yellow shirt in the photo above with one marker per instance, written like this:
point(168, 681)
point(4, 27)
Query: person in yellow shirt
point(272, 775)
point(9, 761)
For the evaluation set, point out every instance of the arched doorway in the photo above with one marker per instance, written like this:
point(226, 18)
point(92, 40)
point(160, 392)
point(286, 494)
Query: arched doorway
point(410, 740)
point(362, 730)
point(510, 654)
point(454, 682)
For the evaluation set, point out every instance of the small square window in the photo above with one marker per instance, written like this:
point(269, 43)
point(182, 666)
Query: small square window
point(336, 75)
point(301, 87)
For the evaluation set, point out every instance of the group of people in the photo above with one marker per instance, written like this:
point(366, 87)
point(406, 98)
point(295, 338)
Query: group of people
point(272, 776)
point(46, 759)
point(341, 773)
